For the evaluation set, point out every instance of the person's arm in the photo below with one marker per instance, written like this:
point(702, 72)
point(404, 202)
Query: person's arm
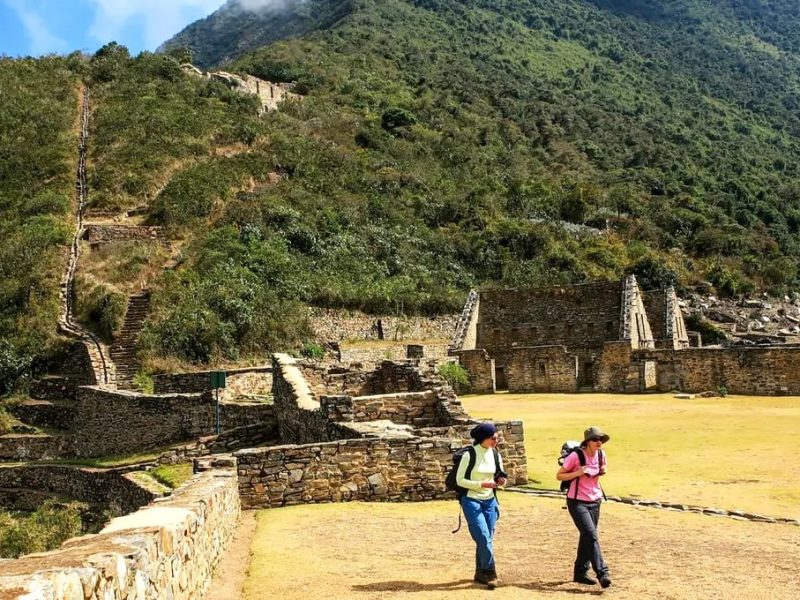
point(470, 484)
point(568, 472)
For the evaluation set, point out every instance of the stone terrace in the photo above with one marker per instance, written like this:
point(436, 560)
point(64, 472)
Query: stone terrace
point(385, 435)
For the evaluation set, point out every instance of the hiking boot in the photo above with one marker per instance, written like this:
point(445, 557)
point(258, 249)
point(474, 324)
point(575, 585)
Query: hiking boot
point(492, 580)
point(605, 581)
point(583, 578)
point(481, 576)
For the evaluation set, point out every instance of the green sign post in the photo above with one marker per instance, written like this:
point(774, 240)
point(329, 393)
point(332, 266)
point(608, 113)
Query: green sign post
point(217, 381)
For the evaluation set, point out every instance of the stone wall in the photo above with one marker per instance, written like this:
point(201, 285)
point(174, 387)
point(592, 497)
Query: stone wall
point(579, 315)
point(255, 381)
point(116, 488)
point(542, 369)
point(338, 325)
point(16, 446)
point(166, 550)
point(301, 419)
point(77, 365)
point(480, 368)
point(112, 422)
point(104, 234)
point(54, 388)
point(410, 408)
point(635, 324)
point(394, 470)
point(755, 371)
point(43, 413)
point(617, 371)
point(373, 356)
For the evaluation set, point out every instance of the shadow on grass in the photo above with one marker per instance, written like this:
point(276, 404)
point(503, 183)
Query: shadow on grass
point(464, 584)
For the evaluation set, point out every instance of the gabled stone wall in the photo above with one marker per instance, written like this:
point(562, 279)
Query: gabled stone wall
point(579, 315)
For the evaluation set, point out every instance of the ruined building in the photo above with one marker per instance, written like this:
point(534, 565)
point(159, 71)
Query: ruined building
point(567, 338)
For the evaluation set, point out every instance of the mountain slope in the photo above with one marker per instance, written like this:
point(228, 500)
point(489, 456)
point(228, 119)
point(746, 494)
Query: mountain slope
point(233, 30)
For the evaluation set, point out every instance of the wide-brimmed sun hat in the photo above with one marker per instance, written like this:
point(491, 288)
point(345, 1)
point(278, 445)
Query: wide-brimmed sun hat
point(595, 432)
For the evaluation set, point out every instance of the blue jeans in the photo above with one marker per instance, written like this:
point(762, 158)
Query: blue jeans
point(481, 516)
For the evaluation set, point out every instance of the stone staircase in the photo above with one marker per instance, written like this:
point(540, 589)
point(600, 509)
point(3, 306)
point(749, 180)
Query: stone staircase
point(123, 350)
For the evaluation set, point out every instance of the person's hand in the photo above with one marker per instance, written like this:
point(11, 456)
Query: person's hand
point(602, 470)
point(591, 471)
point(489, 484)
point(501, 481)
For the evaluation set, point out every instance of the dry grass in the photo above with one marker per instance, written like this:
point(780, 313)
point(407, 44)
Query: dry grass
point(731, 453)
point(126, 266)
point(366, 551)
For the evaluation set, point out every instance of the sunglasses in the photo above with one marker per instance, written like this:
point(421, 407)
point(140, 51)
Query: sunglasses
point(596, 439)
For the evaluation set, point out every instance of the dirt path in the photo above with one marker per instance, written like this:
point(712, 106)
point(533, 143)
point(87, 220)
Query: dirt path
point(406, 552)
point(231, 572)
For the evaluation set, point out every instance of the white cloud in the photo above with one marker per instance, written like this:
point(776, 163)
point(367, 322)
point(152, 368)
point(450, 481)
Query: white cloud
point(161, 19)
point(42, 41)
point(259, 5)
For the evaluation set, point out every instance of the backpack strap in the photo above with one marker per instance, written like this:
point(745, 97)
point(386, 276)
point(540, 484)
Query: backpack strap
point(471, 463)
point(601, 461)
point(467, 475)
point(582, 460)
point(497, 470)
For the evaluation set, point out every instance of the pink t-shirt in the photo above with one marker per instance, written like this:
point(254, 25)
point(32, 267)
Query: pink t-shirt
point(588, 487)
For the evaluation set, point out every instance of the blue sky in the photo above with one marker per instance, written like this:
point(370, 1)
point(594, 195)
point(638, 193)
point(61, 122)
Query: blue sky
point(36, 27)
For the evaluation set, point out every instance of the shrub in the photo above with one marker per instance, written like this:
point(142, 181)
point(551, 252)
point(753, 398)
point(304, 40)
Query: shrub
point(313, 350)
point(46, 528)
point(456, 376)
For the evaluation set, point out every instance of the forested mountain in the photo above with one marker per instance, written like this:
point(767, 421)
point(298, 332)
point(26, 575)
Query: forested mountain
point(438, 145)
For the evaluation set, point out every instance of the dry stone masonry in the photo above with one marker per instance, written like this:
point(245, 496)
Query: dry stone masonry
point(166, 550)
point(606, 337)
point(391, 438)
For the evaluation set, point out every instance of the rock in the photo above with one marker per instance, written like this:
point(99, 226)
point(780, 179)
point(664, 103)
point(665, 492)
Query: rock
point(765, 319)
point(721, 316)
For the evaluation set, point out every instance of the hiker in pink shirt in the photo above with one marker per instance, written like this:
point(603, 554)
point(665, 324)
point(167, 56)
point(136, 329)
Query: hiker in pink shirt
point(583, 469)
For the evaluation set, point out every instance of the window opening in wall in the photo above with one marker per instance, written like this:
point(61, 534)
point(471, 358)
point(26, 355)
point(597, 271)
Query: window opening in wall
point(541, 368)
point(568, 329)
point(590, 328)
point(609, 326)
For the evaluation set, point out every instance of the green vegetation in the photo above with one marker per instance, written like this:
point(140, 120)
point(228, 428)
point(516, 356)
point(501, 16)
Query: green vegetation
point(456, 375)
point(45, 529)
point(440, 145)
point(173, 476)
point(37, 118)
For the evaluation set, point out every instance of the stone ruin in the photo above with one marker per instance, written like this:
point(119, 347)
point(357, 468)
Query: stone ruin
point(328, 433)
point(606, 337)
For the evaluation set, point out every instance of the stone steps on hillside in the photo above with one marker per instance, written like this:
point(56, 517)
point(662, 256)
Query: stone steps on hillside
point(123, 350)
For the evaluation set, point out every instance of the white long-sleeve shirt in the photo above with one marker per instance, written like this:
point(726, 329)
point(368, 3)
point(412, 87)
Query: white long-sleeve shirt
point(483, 470)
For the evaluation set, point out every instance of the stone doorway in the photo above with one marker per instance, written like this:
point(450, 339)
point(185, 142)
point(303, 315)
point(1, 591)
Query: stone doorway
point(586, 377)
point(501, 381)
